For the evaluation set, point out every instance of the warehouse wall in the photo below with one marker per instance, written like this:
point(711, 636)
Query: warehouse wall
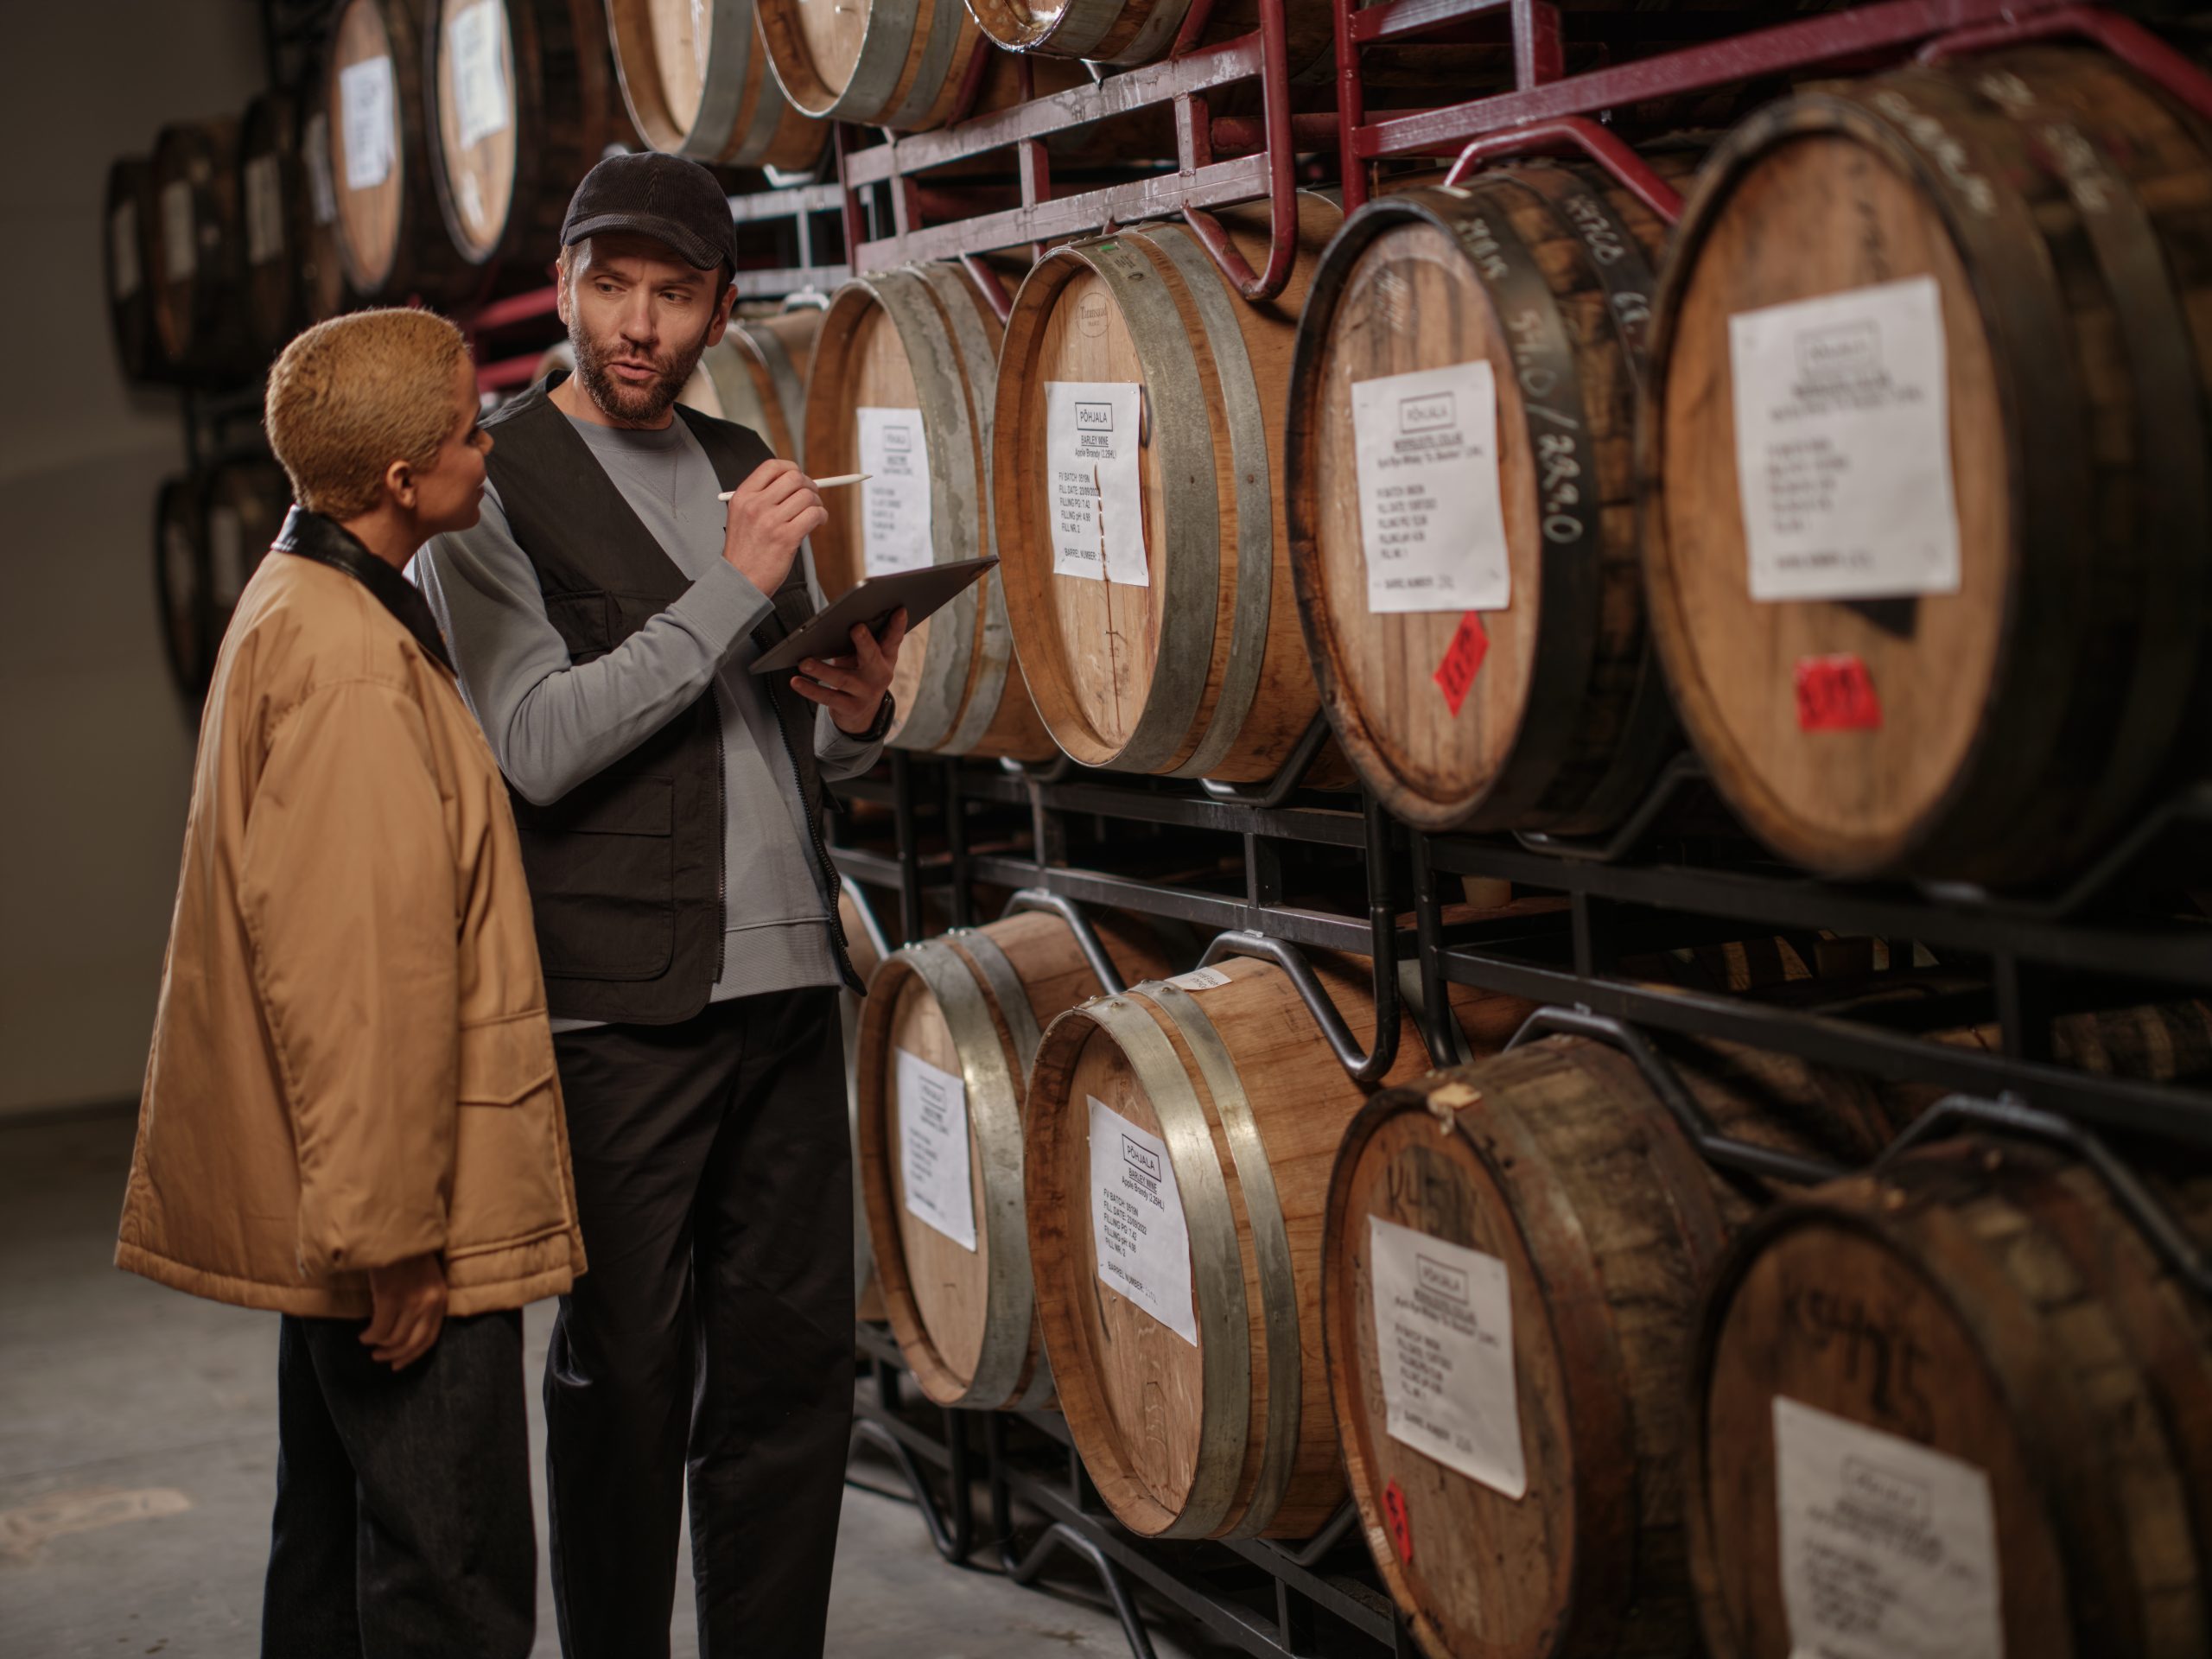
point(95, 750)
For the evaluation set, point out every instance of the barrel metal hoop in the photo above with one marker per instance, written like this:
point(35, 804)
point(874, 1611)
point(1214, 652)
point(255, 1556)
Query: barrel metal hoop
point(1624, 271)
point(987, 681)
point(722, 91)
point(1081, 27)
point(929, 76)
point(885, 43)
point(1007, 987)
point(1256, 523)
point(1255, 1177)
point(994, 1114)
point(1548, 374)
point(790, 390)
point(1217, 1267)
point(911, 304)
point(1183, 438)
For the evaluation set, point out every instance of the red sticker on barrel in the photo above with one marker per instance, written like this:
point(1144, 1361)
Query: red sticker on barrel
point(1462, 658)
point(1836, 694)
point(1394, 1506)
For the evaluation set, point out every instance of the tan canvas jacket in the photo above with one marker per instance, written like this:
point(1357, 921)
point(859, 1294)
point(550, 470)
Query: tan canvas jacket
point(351, 1061)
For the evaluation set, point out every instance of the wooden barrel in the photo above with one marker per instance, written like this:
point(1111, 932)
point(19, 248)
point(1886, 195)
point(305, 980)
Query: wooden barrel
point(182, 583)
point(900, 388)
point(1126, 32)
point(323, 292)
point(1156, 622)
point(1961, 1407)
point(127, 216)
point(520, 107)
point(880, 63)
point(758, 373)
point(198, 244)
point(245, 502)
point(1461, 451)
point(1513, 1251)
point(1929, 512)
point(390, 236)
point(697, 80)
point(274, 204)
point(951, 1027)
point(1180, 1137)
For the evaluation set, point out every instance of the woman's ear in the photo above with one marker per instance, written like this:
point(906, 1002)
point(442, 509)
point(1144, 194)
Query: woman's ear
point(399, 485)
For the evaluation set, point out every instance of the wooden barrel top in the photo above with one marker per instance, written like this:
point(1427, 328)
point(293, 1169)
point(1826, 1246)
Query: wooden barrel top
point(475, 104)
point(368, 153)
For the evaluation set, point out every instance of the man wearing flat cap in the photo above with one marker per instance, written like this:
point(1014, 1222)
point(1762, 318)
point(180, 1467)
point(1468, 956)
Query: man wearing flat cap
point(604, 616)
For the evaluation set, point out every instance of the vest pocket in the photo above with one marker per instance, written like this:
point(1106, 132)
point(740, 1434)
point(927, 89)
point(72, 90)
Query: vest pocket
point(506, 1181)
point(601, 865)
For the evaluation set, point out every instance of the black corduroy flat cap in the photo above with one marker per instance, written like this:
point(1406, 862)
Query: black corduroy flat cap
point(665, 197)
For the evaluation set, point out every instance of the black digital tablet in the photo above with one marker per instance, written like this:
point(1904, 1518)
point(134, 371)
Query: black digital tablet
point(831, 632)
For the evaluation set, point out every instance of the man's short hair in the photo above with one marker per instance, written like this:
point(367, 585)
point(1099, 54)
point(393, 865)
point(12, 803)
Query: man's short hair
point(352, 395)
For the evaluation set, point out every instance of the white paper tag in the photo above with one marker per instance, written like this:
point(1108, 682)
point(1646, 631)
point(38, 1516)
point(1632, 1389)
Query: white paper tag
point(1843, 445)
point(1431, 518)
point(122, 247)
point(264, 210)
point(180, 234)
point(933, 1148)
point(895, 501)
point(1092, 429)
point(1889, 1549)
point(366, 99)
point(1443, 1341)
point(1137, 1229)
point(1200, 979)
point(314, 146)
point(475, 41)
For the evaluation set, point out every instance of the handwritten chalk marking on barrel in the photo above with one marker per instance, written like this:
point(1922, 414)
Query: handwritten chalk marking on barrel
point(819, 483)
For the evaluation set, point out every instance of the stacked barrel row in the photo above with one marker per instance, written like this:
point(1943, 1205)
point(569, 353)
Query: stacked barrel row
point(1588, 1390)
point(1886, 476)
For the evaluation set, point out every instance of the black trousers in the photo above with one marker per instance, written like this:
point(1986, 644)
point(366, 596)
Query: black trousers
point(713, 1334)
point(403, 1527)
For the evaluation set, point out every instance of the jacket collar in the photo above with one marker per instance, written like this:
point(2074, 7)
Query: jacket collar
point(311, 535)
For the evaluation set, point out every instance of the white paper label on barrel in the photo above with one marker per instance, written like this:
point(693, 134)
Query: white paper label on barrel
point(122, 249)
point(933, 1148)
point(1200, 979)
point(1889, 1549)
point(895, 501)
point(1431, 519)
point(367, 100)
point(1091, 428)
point(1444, 1342)
point(264, 210)
point(474, 38)
point(1843, 445)
point(314, 146)
point(1137, 1229)
point(180, 249)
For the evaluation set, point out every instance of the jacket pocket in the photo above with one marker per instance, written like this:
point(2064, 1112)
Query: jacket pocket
point(602, 864)
point(508, 1187)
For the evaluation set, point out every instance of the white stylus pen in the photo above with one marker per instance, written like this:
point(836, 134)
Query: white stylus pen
point(819, 483)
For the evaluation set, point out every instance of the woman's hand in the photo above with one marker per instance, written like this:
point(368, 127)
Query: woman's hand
point(409, 1301)
point(852, 688)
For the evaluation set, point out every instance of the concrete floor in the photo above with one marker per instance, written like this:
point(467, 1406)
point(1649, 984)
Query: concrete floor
point(138, 1456)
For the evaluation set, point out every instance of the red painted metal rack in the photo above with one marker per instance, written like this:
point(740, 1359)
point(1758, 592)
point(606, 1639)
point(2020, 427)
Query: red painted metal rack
point(1638, 889)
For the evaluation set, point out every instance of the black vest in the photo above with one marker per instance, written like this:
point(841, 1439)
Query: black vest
point(626, 870)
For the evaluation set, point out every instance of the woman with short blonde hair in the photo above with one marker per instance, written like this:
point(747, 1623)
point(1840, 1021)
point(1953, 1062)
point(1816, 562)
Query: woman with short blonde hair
point(350, 1114)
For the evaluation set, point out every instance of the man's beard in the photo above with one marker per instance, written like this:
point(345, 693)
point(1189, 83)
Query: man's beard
point(628, 403)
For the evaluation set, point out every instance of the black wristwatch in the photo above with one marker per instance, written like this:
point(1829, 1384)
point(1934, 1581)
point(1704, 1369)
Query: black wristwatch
point(881, 723)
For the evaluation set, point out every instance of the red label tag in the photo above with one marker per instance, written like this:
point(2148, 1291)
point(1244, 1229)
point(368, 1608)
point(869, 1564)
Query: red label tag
point(1394, 1502)
point(1836, 694)
point(1463, 657)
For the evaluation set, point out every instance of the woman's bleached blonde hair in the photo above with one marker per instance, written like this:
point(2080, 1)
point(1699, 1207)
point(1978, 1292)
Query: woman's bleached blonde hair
point(352, 395)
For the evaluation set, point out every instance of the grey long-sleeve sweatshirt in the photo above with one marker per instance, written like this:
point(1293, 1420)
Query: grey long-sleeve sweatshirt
point(551, 725)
